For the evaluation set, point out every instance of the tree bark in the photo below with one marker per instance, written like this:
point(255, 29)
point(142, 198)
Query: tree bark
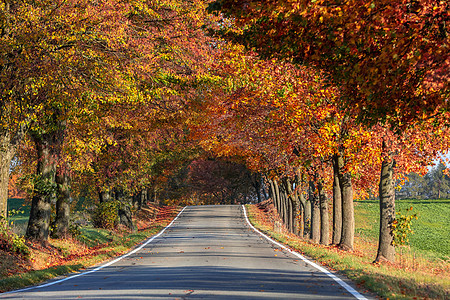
point(147, 196)
point(138, 199)
point(7, 152)
point(124, 210)
point(283, 206)
point(155, 196)
point(256, 183)
point(302, 222)
point(337, 204)
point(62, 204)
point(386, 249)
point(315, 222)
point(308, 215)
point(348, 218)
point(324, 219)
point(104, 195)
point(271, 191)
point(294, 204)
point(277, 197)
point(315, 214)
point(142, 199)
point(263, 189)
point(295, 211)
point(290, 214)
point(44, 188)
point(8, 145)
point(125, 216)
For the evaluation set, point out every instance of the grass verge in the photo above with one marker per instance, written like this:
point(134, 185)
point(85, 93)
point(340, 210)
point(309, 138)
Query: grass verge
point(65, 256)
point(390, 281)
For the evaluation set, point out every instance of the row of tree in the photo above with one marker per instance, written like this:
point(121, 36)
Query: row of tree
point(331, 99)
point(324, 101)
point(434, 185)
point(94, 98)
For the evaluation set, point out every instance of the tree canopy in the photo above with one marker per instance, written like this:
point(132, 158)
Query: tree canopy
point(309, 100)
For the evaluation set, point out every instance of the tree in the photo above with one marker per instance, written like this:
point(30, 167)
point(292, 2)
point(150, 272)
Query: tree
point(107, 53)
point(437, 182)
point(217, 181)
point(388, 58)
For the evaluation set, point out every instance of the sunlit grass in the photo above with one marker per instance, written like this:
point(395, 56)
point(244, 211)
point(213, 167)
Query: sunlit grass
point(389, 281)
point(431, 229)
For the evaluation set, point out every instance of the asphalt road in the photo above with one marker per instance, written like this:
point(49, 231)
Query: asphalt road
point(209, 252)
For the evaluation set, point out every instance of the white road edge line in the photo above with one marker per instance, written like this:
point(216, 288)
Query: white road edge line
point(102, 266)
point(351, 290)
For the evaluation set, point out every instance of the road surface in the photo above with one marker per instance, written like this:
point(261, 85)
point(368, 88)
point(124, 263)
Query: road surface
point(209, 252)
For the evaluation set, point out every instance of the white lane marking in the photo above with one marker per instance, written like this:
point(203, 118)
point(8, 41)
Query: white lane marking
point(102, 266)
point(337, 279)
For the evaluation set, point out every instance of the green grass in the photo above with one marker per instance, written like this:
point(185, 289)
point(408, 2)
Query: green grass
point(19, 221)
point(431, 229)
point(95, 236)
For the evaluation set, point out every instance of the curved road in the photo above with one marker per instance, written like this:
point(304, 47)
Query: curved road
point(209, 252)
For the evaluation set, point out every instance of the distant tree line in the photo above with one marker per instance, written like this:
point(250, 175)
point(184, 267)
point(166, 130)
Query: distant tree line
point(434, 185)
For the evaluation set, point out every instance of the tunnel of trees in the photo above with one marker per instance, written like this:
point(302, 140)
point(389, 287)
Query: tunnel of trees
point(196, 102)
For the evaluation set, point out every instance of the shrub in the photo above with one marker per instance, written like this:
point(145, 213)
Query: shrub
point(75, 230)
point(106, 215)
point(11, 242)
point(401, 227)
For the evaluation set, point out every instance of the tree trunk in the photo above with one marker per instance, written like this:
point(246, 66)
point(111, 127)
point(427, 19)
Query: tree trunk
point(293, 203)
point(386, 249)
point(148, 195)
point(290, 214)
point(302, 222)
point(7, 152)
point(155, 194)
point(124, 210)
point(315, 222)
point(348, 218)
point(277, 197)
point(138, 199)
point(308, 215)
point(315, 214)
point(104, 195)
point(142, 199)
point(288, 211)
point(271, 191)
point(283, 206)
point(256, 183)
point(295, 210)
point(44, 188)
point(125, 216)
point(337, 204)
point(263, 189)
point(324, 219)
point(62, 204)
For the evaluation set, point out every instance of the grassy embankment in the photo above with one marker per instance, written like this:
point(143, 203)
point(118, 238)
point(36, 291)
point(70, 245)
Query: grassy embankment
point(91, 247)
point(422, 269)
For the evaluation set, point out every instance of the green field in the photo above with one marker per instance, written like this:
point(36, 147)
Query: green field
point(20, 221)
point(431, 229)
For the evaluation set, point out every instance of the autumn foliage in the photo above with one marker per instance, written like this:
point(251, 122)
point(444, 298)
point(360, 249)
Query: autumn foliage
point(311, 103)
